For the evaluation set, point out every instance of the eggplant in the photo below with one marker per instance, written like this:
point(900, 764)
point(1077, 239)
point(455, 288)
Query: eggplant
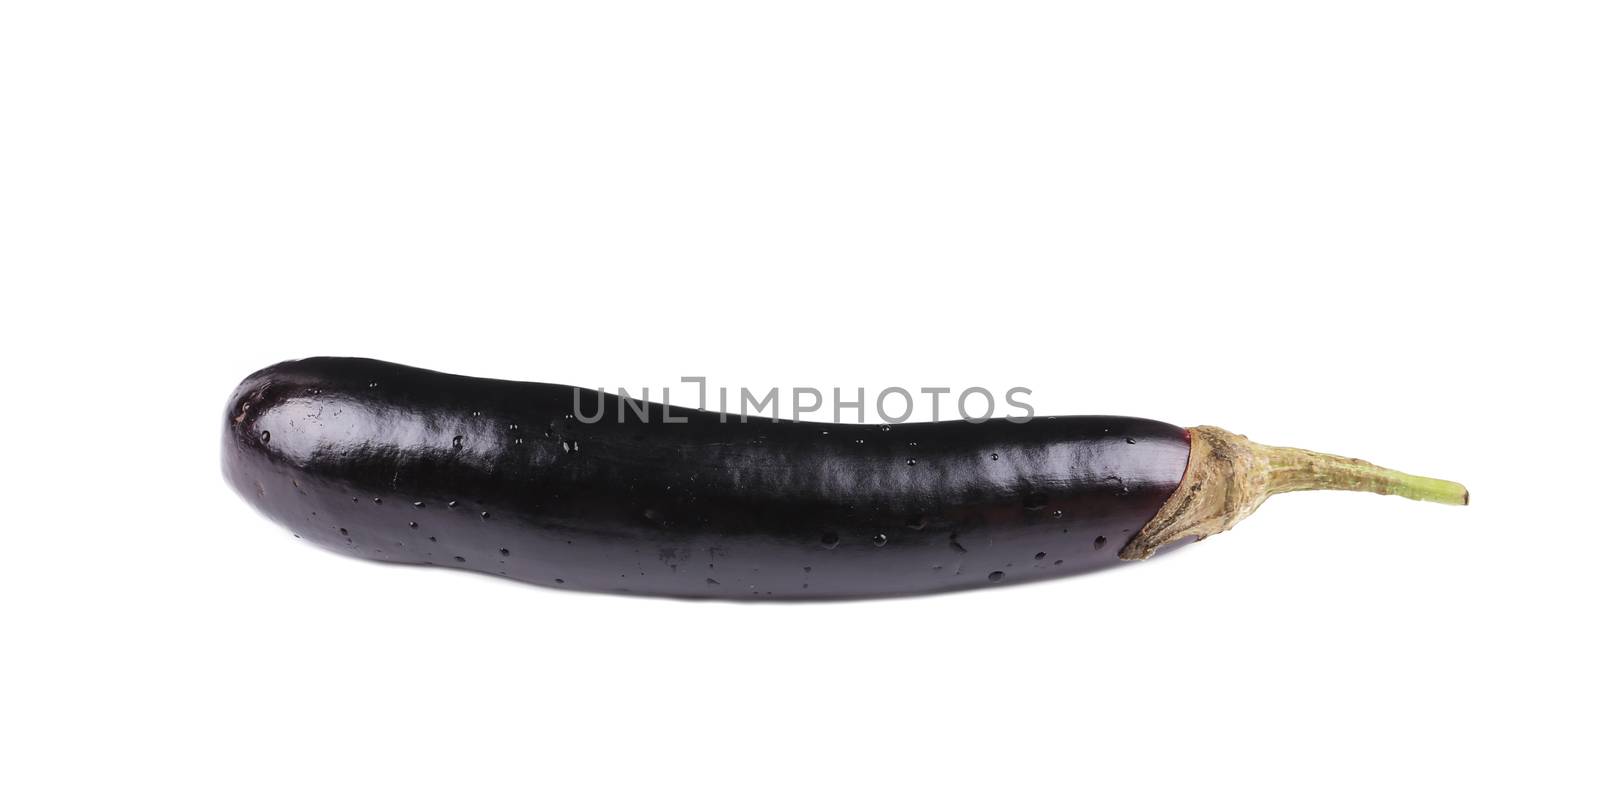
point(410, 466)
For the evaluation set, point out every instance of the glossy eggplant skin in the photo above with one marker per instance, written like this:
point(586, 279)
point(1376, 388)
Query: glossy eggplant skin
point(405, 465)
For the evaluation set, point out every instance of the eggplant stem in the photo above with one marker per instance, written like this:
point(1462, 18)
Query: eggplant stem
point(1228, 477)
point(1291, 469)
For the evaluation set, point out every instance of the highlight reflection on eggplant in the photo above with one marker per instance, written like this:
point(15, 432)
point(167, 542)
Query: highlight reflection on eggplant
point(400, 464)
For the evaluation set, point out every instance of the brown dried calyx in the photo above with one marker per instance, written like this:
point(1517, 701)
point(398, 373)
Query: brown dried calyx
point(1229, 477)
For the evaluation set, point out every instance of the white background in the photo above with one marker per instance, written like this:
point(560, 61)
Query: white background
point(1364, 227)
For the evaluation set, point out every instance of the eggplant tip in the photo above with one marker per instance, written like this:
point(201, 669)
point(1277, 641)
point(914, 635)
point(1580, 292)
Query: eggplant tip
point(1229, 476)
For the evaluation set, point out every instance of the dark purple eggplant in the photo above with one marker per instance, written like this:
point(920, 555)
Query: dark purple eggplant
point(405, 465)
